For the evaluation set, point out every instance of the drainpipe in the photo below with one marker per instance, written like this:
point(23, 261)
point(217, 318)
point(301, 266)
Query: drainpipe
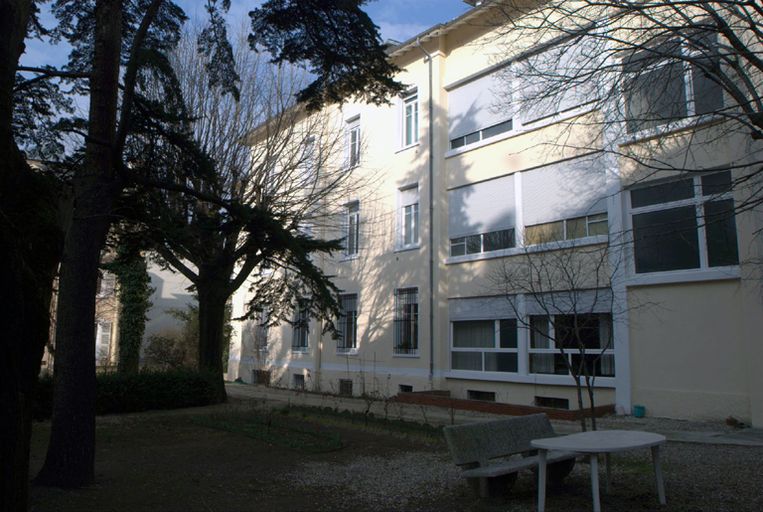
point(431, 216)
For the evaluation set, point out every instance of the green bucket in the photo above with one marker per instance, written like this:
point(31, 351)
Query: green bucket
point(639, 411)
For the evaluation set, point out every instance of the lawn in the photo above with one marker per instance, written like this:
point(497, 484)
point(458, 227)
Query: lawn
point(232, 457)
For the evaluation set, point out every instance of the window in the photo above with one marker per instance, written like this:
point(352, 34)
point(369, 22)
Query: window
point(345, 387)
point(481, 217)
point(348, 324)
point(353, 142)
point(485, 396)
point(409, 216)
point(550, 334)
point(260, 332)
point(484, 345)
point(301, 328)
point(684, 224)
point(107, 284)
point(352, 229)
point(298, 381)
point(661, 86)
point(410, 119)
point(102, 342)
point(475, 112)
point(405, 388)
point(406, 321)
point(567, 229)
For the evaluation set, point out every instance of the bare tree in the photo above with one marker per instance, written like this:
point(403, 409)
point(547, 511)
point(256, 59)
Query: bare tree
point(272, 174)
point(671, 84)
point(562, 295)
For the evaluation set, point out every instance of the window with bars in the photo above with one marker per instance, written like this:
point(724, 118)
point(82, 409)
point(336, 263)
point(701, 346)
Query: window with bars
point(406, 321)
point(301, 328)
point(352, 229)
point(348, 323)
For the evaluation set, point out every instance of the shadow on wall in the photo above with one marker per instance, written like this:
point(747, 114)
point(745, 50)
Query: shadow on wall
point(170, 292)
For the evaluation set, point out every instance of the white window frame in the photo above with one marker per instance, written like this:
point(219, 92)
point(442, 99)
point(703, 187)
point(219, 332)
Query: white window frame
point(107, 284)
point(352, 349)
point(462, 241)
point(401, 319)
point(485, 350)
point(104, 329)
point(406, 211)
point(685, 55)
point(552, 350)
point(301, 330)
point(566, 235)
point(409, 109)
point(353, 142)
point(352, 229)
point(697, 201)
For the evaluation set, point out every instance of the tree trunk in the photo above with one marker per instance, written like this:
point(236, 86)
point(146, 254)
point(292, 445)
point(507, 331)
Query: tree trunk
point(29, 254)
point(213, 296)
point(71, 452)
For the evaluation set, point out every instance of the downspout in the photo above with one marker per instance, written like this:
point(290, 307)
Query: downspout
point(431, 215)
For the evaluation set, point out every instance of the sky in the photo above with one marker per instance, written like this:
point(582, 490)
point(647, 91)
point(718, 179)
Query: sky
point(397, 19)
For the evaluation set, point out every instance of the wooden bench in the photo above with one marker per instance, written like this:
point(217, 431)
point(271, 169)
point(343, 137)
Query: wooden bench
point(491, 453)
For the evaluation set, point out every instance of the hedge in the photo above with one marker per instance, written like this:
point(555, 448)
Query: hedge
point(118, 393)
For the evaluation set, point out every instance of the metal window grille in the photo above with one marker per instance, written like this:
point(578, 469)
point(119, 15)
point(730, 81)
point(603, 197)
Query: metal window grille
point(406, 321)
point(301, 328)
point(348, 323)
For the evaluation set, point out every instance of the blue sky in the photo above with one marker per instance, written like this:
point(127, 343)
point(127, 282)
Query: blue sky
point(397, 19)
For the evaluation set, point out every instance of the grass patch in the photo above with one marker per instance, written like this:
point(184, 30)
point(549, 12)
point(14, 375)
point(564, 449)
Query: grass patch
point(275, 428)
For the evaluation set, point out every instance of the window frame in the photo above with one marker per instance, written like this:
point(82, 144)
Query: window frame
point(352, 142)
point(409, 102)
point(566, 235)
point(495, 349)
point(697, 201)
point(406, 323)
point(464, 241)
point(300, 341)
point(351, 229)
point(341, 342)
point(415, 216)
point(685, 54)
point(569, 353)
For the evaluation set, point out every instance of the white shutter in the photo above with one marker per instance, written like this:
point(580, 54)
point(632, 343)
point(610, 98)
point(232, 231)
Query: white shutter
point(482, 207)
point(570, 302)
point(480, 308)
point(478, 104)
point(563, 191)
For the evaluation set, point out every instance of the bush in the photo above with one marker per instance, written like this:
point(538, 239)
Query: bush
point(118, 393)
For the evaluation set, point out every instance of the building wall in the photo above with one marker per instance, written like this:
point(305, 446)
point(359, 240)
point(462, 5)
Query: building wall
point(685, 343)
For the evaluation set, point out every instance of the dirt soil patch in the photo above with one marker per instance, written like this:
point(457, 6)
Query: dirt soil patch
point(234, 458)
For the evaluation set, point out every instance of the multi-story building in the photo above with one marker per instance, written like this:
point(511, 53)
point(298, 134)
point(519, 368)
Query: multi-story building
point(498, 229)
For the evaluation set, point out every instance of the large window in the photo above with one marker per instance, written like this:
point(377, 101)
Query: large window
point(348, 323)
point(575, 333)
point(661, 85)
point(409, 216)
point(352, 229)
point(352, 136)
point(406, 321)
point(475, 110)
point(481, 217)
point(684, 224)
point(301, 328)
point(484, 345)
point(567, 229)
point(410, 119)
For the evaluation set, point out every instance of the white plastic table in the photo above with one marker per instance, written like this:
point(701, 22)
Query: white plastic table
point(594, 443)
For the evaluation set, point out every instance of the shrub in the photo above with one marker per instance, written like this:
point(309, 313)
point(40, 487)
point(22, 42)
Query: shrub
point(148, 390)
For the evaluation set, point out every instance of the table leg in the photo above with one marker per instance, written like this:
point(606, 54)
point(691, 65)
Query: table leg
point(541, 480)
point(594, 458)
point(658, 474)
point(607, 474)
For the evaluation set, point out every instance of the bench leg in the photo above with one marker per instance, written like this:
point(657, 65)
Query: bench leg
point(541, 480)
point(658, 474)
point(594, 458)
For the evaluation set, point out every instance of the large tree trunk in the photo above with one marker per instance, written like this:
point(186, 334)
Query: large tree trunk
point(212, 288)
point(71, 453)
point(29, 254)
